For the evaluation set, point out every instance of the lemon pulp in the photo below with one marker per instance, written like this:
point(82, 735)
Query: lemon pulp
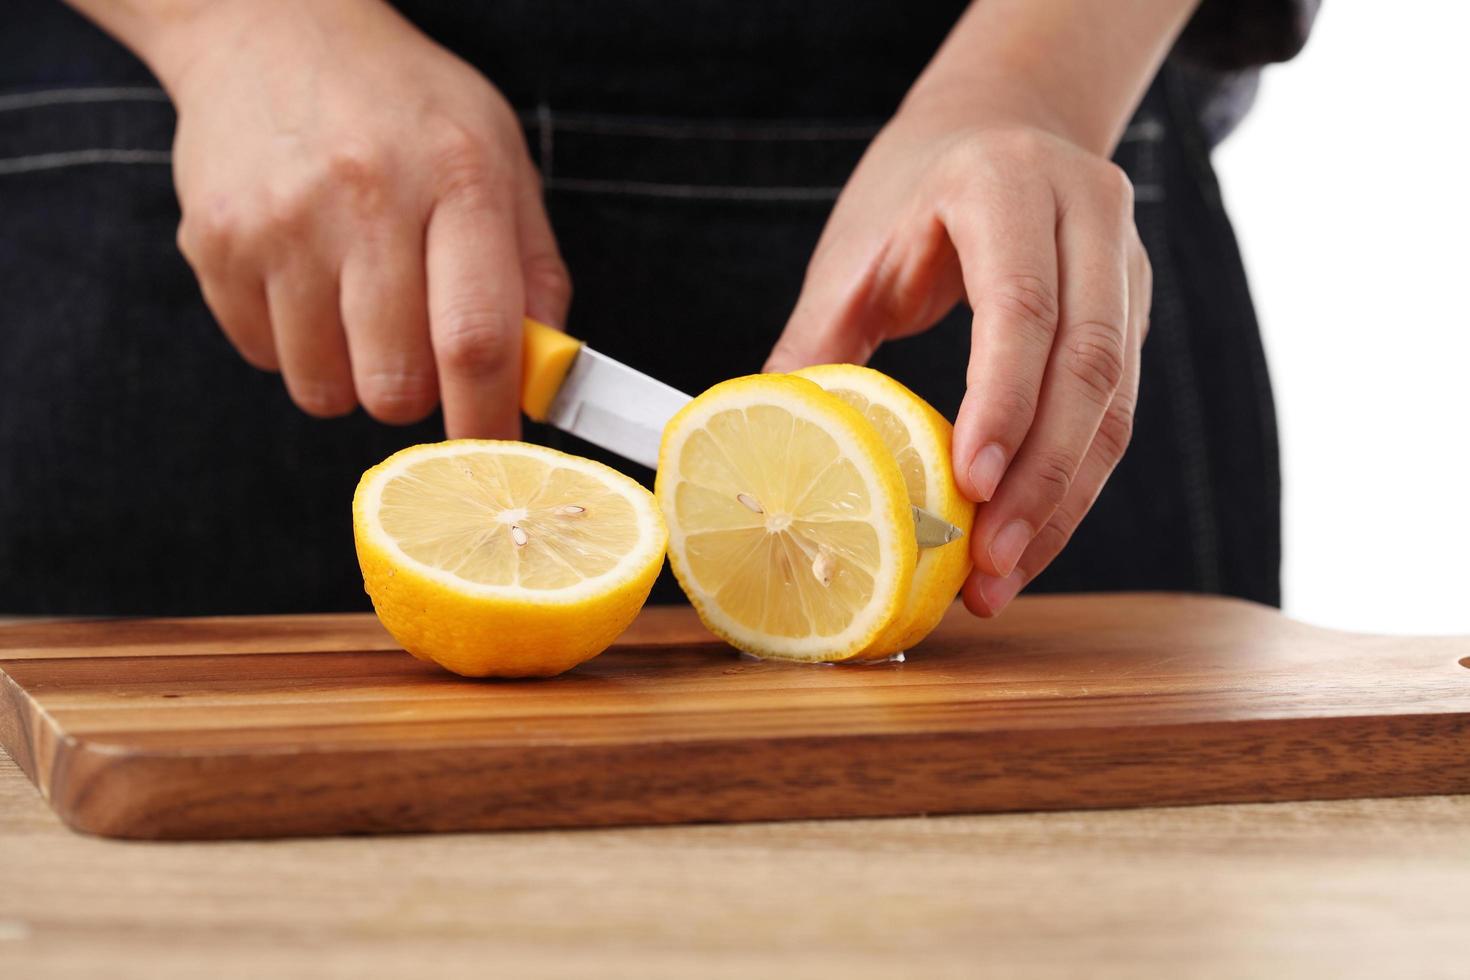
point(918, 438)
point(503, 558)
point(789, 523)
point(507, 519)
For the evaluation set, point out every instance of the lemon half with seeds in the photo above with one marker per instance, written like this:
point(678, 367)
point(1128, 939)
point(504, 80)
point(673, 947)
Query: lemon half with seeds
point(789, 521)
point(918, 438)
point(503, 558)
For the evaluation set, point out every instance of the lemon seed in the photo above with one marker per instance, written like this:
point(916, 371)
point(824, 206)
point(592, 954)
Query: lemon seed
point(823, 566)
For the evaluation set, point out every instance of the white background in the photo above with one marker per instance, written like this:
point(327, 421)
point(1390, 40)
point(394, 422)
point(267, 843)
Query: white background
point(1348, 186)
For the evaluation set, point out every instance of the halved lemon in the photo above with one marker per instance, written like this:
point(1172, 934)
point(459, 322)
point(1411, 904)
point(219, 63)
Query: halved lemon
point(502, 558)
point(919, 439)
point(789, 522)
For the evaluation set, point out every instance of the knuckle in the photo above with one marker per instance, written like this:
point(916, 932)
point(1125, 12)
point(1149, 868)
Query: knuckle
point(359, 172)
point(252, 343)
point(398, 397)
point(322, 399)
point(186, 239)
point(1049, 542)
point(1093, 356)
point(1053, 470)
point(461, 158)
point(207, 233)
point(905, 303)
point(1114, 185)
point(1146, 281)
point(1027, 303)
point(788, 354)
point(258, 357)
point(354, 163)
point(1145, 293)
point(548, 274)
point(476, 343)
point(1014, 404)
point(192, 245)
point(287, 213)
point(1115, 432)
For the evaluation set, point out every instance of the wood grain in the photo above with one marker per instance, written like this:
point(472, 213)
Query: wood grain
point(1348, 889)
point(316, 725)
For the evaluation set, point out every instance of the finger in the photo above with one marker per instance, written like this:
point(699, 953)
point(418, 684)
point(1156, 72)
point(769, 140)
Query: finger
point(827, 325)
point(1007, 245)
point(234, 293)
point(475, 309)
point(239, 307)
point(548, 285)
point(859, 293)
point(987, 595)
point(307, 326)
point(1086, 366)
point(385, 312)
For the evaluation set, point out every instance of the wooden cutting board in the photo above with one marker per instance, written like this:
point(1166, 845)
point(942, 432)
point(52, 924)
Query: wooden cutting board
point(274, 726)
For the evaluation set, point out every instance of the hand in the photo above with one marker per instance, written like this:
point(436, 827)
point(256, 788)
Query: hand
point(360, 210)
point(1038, 235)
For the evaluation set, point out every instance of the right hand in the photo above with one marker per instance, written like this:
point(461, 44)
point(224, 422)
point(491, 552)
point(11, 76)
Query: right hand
point(360, 210)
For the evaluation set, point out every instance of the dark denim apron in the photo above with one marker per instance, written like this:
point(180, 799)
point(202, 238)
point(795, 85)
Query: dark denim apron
point(691, 153)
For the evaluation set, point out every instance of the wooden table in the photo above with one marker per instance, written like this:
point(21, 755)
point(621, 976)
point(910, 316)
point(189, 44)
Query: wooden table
point(1370, 888)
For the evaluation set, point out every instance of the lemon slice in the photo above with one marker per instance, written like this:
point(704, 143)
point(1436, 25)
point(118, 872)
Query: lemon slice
point(503, 558)
point(919, 439)
point(789, 523)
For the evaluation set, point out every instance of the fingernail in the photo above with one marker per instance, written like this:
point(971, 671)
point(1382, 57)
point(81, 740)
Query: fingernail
point(998, 592)
point(986, 469)
point(1006, 547)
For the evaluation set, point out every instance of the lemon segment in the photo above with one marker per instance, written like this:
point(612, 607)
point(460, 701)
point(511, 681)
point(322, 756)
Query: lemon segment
point(789, 521)
point(918, 439)
point(503, 558)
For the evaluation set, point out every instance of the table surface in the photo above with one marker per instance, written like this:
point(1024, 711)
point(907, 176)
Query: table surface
point(1368, 888)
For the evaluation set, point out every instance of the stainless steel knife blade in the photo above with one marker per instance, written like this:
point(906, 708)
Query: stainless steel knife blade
point(624, 411)
point(615, 407)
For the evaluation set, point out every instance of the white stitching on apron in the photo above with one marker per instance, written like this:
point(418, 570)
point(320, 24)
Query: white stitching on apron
point(71, 96)
point(80, 158)
point(546, 122)
point(546, 140)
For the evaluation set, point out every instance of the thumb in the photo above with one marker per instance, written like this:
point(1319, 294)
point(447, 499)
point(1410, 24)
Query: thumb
point(830, 323)
point(855, 299)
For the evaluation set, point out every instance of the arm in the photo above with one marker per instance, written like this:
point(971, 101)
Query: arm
point(358, 204)
point(992, 184)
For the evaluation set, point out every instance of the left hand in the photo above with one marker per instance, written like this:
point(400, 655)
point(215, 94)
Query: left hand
point(1038, 235)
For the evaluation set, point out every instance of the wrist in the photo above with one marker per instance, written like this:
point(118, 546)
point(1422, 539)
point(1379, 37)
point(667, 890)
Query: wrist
point(985, 102)
point(1075, 68)
point(155, 30)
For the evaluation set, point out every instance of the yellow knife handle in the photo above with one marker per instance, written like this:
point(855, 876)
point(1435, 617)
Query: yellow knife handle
point(546, 357)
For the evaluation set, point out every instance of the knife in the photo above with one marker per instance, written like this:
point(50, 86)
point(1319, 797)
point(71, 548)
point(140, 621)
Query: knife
point(567, 384)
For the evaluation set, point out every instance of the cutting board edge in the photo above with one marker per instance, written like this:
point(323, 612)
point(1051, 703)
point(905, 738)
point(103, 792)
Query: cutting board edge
point(118, 794)
point(647, 630)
